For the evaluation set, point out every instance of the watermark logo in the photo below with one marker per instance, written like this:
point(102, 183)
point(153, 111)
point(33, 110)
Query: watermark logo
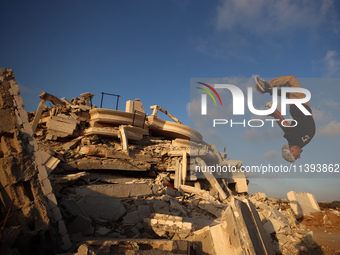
point(239, 99)
point(204, 97)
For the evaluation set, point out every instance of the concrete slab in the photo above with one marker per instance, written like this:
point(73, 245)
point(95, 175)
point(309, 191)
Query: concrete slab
point(102, 207)
point(303, 203)
point(116, 190)
point(172, 130)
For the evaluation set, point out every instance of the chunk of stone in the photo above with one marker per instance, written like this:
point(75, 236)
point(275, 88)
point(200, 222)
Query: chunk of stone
point(260, 196)
point(161, 207)
point(101, 207)
point(131, 218)
point(116, 190)
point(272, 226)
point(103, 231)
point(303, 203)
point(84, 249)
point(144, 211)
point(167, 226)
point(214, 208)
point(309, 238)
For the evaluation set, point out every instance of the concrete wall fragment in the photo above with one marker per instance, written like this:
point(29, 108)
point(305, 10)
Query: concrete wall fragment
point(302, 203)
point(24, 179)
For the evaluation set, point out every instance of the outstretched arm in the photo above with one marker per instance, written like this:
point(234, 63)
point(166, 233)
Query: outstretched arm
point(277, 115)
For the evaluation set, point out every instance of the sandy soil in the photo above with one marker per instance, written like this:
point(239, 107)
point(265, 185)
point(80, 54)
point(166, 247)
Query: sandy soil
point(326, 236)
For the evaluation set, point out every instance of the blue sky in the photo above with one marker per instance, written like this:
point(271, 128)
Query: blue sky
point(151, 49)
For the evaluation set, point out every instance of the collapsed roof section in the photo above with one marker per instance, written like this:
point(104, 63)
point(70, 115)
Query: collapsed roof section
point(91, 138)
point(144, 190)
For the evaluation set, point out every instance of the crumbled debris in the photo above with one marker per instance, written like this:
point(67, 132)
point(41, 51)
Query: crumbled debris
point(123, 184)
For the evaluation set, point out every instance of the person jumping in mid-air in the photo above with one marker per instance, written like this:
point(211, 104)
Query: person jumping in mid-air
point(300, 135)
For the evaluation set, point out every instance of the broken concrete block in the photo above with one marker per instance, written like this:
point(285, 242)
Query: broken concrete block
point(72, 144)
point(69, 177)
point(116, 190)
point(115, 117)
point(84, 249)
point(138, 246)
point(123, 139)
point(144, 211)
point(132, 133)
point(178, 207)
point(309, 238)
point(161, 207)
point(102, 207)
point(62, 228)
point(199, 192)
point(167, 226)
point(272, 226)
point(89, 164)
point(260, 196)
point(71, 208)
point(246, 221)
point(37, 116)
point(172, 130)
point(78, 220)
point(303, 203)
point(78, 223)
point(116, 164)
point(131, 218)
point(224, 238)
point(220, 241)
point(135, 105)
point(61, 126)
point(203, 243)
point(103, 231)
point(49, 161)
point(171, 192)
point(215, 208)
point(265, 239)
point(212, 180)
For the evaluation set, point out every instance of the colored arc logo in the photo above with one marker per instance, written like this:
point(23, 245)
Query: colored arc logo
point(209, 93)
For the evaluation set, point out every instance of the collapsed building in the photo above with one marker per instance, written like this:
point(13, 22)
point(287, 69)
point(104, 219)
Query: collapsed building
point(86, 180)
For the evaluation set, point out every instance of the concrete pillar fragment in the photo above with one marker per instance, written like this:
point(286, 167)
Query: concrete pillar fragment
point(212, 180)
point(123, 139)
point(38, 115)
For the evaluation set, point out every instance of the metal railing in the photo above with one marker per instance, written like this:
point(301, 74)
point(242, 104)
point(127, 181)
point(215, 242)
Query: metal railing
point(103, 93)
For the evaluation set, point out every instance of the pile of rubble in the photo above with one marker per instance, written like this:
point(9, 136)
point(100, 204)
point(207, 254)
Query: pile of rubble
point(124, 183)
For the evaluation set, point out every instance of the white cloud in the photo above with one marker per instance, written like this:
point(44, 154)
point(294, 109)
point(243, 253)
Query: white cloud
point(331, 64)
point(332, 129)
point(332, 104)
point(258, 134)
point(271, 155)
point(262, 16)
point(320, 115)
point(242, 27)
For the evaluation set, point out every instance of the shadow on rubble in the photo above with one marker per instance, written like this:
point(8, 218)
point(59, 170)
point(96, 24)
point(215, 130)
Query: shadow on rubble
point(307, 245)
point(313, 249)
point(94, 218)
point(30, 234)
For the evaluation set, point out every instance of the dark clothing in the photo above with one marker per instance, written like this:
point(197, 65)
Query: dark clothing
point(304, 131)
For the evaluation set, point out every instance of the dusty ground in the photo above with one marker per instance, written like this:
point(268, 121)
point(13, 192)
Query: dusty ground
point(326, 236)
